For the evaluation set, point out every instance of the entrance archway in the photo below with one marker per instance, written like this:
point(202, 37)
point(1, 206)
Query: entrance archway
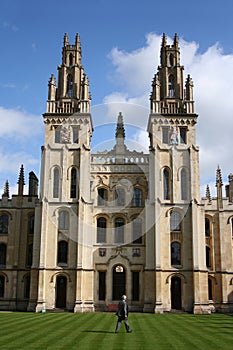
point(61, 292)
point(176, 293)
point(118, 282)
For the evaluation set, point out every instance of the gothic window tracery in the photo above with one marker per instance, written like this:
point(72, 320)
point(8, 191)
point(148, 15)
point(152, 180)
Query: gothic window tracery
point(102, 196)
point(166, 184)
point(2, 286)
point(171, 60)
point(207, 227)
point(101, 230)
point(63, 221)
point(70, 60)
point(119, 230)
point(62, 252)
point(137, 198)
point(70, 86)
point(175, 253)
point(56, 183)
point(3, 254)
point(171, 86)
point(73, 183)
point(4, 222)
point(175, 221)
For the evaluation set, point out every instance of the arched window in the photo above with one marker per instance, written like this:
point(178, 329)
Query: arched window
point(210, 289)
point(208, 257)
point(175, 253)
point(63, 221)
point(62, 252)
point(119, 230)
point(27, 281)
point(4, 223)
point(137, 198)
point(120, 196)
point(171, 60)
point(55, 183)
point(70, 86)
point(207, 227)
point(31, 220)
point(137, 231)
point(73, 183)
point(232, 227)
point(70, 60)
point(102, 196)
point(101, 230)
point(183, 176)
point(118, 282)
point(29, 254)
point(166, 184)
point(2, 286)
point(171, 86)
point(3, 254)
point(175, 221)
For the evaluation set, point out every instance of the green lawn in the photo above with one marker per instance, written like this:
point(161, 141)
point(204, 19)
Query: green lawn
point(96, 331)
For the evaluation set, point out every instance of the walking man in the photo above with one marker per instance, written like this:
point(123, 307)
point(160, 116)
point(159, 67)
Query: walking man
point(122, 314)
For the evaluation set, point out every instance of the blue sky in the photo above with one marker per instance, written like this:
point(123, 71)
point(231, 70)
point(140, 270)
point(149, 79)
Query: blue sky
point(120, 46)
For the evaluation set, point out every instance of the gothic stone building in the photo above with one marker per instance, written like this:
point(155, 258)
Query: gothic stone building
point(119, 221)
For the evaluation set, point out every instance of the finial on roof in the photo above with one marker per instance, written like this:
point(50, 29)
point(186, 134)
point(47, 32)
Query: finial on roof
point(66, 39)
point(6, 192)
point(219, 177)
point(120, 130)
point(176, 40)
point(208, 195)
point(77, 39)
point(21, 182)
point(164, 40)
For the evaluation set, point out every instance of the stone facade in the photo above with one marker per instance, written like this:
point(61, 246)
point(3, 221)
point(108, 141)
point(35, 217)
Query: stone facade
point(119, 221)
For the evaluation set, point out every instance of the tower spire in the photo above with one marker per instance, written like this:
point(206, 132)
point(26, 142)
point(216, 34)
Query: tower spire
point(21, 182)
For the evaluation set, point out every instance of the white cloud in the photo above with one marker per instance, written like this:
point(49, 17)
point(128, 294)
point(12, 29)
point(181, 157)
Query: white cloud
point(213, 95)
point(19, 125)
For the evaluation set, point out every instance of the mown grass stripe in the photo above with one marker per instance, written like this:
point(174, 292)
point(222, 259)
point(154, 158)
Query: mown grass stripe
point(90, 331)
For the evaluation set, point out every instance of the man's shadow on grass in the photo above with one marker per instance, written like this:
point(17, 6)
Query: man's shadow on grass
point(93, 331)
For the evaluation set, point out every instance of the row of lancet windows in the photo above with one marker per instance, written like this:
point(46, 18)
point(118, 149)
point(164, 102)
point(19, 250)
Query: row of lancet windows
point(57, 183)
point(26, 281)
point(167, 184)
point(4, 223)
point(119, 230)
point(3, 254)
point(208, 227)
point(120, 197)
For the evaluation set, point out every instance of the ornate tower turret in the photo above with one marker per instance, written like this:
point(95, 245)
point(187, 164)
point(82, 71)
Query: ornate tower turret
point(65, 184)
point(174, 179)
point(72, 93)
point(168, 94)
